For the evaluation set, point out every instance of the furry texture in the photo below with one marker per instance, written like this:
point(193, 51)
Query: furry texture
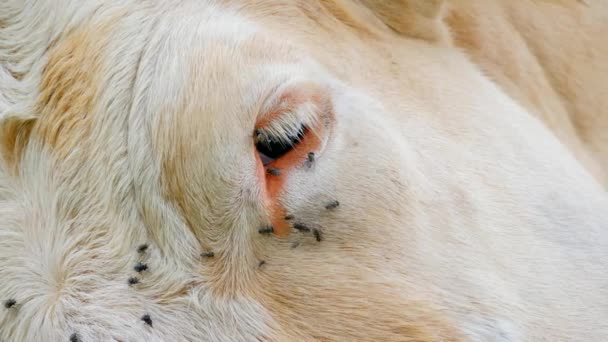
point(461, 139)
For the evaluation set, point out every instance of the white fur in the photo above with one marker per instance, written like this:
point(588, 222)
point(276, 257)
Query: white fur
point(453, 199)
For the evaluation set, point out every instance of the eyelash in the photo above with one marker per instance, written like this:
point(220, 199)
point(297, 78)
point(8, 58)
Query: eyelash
point(282, 133)
point(272, 144)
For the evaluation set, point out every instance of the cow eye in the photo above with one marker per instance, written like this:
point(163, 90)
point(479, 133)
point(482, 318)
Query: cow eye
point(272, 148)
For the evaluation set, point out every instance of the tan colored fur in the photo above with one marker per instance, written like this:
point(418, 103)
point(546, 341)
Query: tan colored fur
point(15, 135)
point(417, 19)
point(463, 214)
point(68, 88)
point(547, 56)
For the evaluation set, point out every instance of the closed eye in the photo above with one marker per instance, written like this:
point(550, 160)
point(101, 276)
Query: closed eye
point(272, 147)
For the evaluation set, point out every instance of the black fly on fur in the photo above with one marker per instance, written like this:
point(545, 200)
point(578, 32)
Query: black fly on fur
point(318, 234)
point(9, 303)
point(207, 254)
point(133, 281)
point(289, 217)
point(266, 230)
point(142, 248)
point(74, 338)
point(274, 171)
point(140, 267)
point(262, 263)
point(301, 227)
point(146, 318)
point(332, 205)
point(311, 157)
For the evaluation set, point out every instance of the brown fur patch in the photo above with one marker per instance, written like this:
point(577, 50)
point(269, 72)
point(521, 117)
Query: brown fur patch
point(350, 15)
point(416, 19)
point(69, 87)
point(15, 133)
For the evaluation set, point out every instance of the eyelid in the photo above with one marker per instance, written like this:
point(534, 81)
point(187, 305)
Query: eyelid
point(296, 111)
point(288, 125)
point(271, 148)
point(279, 133)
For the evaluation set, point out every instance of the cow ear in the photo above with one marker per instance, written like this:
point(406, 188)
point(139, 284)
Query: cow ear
point(14, 137)
point(420, 19)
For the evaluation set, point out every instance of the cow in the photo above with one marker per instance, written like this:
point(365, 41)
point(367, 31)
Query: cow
point(299, 170)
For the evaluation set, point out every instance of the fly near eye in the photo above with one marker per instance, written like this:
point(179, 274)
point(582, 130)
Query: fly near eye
point(272, 148)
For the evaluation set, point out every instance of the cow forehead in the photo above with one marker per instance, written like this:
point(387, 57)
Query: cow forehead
point(215, 59)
